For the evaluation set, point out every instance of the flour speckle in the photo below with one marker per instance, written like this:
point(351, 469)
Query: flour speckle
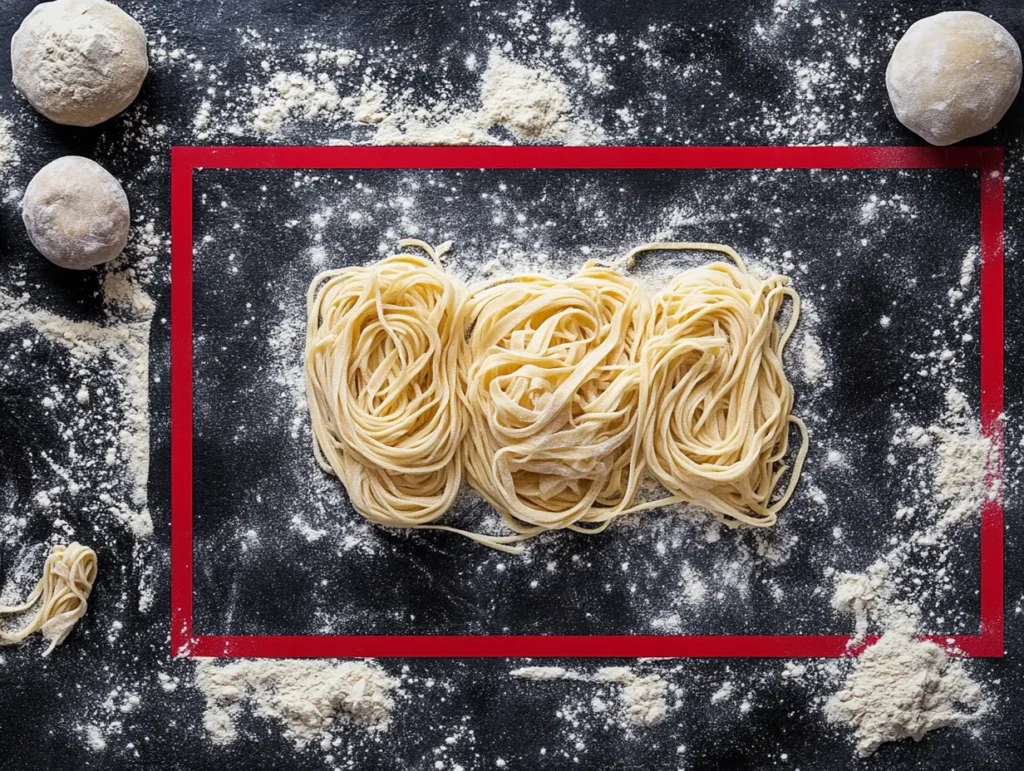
point(902, 688)
point(642, 699)
point(813, 359)
point(311, 699)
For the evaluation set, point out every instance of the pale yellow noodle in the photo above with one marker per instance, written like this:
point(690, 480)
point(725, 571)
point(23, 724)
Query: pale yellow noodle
point(557, 397)
point(553, 382)
point(717, 405)
point(382, 349)
point(62, 593)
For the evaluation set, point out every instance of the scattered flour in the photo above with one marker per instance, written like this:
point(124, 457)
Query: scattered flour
point(959, 469)
point(94, 738)
point(123, 346)
point(642, 698)
point(306, 530)
point(292, 94)
point(967, 267)
point(8, 152)
point(531, 104)
point(541, 673)
point(813, 359)
point(696, 590)
point(963, 459)
point(903, 688)
point(341, 89)
point(722, 693)
point(793, 671)
point(312, 698)
point(864, 596)
point(822, 64)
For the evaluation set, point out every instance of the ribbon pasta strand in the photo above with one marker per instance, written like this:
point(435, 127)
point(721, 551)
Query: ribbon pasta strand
point(553, 382)
point(62, 593)
point(716, 401)
point(554, 397)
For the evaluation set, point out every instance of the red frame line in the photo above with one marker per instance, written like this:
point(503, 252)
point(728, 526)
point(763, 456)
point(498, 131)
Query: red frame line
point(186, 160)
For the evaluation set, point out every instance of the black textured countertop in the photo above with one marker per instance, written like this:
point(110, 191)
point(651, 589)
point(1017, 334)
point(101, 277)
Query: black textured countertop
point(256, 489)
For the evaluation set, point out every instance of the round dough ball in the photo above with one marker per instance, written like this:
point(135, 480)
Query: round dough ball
point(953, 76)
point(79, 62)
point(76, 213)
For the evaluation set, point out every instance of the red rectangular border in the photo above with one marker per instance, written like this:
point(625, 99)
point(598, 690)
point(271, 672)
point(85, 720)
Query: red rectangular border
point(184, 160)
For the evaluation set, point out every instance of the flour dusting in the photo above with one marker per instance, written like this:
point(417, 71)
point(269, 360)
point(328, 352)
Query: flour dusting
point(642, 699)
point(103, 435)
point(813, 359)
point(313, 699)
point(902, 688)
point(8, 151)
point(531, 104)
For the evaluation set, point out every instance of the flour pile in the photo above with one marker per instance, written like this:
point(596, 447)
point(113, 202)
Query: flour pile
point(292, 94)
point(531, 104)
point(956, 461)
point(8, 150)
point(312, 698)
point(642, 699)
point(902, 688)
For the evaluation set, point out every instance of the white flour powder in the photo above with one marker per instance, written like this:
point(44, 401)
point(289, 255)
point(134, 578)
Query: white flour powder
point(294, 94)
point(642, 699)
point(814, 360)
point(8, 151)
point(121, 348)
point(94, 738)
point(963, 456)
point(902, 688)
point(958, 469)
point(531, 104)
point(312, 698)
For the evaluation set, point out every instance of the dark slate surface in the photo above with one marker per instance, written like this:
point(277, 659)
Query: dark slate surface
point(452, 586)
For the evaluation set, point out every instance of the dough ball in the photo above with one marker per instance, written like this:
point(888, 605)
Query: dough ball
point(76, 213)
point(79, 62)
point(953, 76)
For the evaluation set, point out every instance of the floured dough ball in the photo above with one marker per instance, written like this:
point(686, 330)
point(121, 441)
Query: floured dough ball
point(79, 62)
point(76, 213)
point(953, 76)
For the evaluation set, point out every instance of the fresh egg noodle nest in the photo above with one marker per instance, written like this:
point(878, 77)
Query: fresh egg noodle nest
point(717, 403)
point(553, 385)
point(382, 351)
point(555, 397)
point(62, 595)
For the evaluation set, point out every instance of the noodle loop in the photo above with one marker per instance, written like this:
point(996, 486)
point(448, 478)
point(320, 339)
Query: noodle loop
point(718, 406)
point(382, 349)
point(552, 384)
point(64, 589)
